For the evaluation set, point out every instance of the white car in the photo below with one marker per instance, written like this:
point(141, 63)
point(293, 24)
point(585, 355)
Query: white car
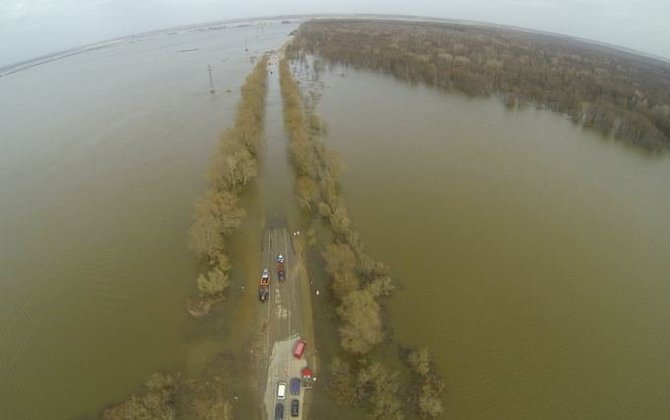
point(281, 390)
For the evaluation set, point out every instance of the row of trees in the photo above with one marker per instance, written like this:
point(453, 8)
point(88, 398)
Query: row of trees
point(218, 212)
point(358, 282)
point(615, 92)
point(357, 279)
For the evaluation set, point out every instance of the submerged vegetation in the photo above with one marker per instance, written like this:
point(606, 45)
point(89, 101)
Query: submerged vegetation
point(615, 92)
point(358, 283)
point(218, 212)
point(167, 397)
point(156, 401)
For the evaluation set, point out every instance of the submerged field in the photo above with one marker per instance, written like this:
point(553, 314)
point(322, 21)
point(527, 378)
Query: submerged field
point(528, 253)
point(531, 254)
point(98, 199)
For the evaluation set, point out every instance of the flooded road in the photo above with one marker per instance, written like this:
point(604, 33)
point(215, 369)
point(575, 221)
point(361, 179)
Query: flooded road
point(102, 156)
point(533, 256)
point(537, 270)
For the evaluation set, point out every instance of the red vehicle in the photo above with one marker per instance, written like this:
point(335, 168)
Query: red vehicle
point(299, 349)
point(264, 286)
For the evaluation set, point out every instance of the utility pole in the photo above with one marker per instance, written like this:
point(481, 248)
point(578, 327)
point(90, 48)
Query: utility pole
point(211, 82)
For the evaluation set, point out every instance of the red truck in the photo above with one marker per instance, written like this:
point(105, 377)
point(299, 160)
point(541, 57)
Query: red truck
point(264, 286)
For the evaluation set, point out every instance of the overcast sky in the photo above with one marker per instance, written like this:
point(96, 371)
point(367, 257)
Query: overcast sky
point(30, 28)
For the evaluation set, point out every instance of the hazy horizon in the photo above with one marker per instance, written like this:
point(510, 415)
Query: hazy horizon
point(37, 28)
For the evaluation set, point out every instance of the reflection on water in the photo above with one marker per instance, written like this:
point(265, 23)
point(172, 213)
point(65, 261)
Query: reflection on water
point(533, 255)
point(101, 159)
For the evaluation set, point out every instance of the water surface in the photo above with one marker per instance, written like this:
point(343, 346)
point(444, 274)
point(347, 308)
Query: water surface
point(102, 156)
point(533, 255)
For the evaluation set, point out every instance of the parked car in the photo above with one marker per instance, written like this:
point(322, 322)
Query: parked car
point(295, 408)
point(295, 386)
point(281, 390)
point(299, 349)
point(279, 411)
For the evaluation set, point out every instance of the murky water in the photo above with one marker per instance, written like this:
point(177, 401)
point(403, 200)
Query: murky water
point(534, 256)
point(102, 156)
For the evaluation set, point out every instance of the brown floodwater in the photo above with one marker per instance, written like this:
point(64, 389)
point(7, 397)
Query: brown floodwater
point(533, 256)
point(102, 156)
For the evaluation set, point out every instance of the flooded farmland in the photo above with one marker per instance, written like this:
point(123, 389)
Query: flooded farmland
point(532, 255)
point(102, 157)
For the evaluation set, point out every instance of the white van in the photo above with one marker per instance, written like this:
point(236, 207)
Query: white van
point(281, 390)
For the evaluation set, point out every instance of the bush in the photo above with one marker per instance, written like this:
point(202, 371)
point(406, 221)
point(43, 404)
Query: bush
point(420, 361)
point(430, 398)
point(341, 384)
point(155, 402)
point(340, 265)
point(212, 284)
point(381, 388)
point(361, 316)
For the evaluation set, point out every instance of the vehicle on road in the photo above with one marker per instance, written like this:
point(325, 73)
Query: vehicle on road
point(281, 272)
point(264, 286)
point(279, 411)
point(299, 348)
point(295, 408)
point(281, 390)
point(295, 386)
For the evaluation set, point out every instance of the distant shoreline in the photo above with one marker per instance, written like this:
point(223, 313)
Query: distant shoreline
point(618, 93)
point(16, 67)
point(199, 27)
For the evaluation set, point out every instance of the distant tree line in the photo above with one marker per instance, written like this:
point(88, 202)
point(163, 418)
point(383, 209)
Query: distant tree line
point(358, 282)
point(616, 92)
point(218, 212)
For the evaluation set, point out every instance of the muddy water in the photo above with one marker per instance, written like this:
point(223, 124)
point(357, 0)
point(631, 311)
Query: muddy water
point(533, 256)
point(101, 158)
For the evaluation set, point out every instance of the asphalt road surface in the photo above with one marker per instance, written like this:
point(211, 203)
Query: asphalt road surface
point(284, 312)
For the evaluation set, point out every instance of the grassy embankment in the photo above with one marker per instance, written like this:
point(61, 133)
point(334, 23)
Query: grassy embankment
point(618, 93)
point(359, 285)
point(217, 216)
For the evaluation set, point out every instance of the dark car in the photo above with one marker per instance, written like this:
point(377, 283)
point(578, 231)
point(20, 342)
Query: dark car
point(295, 408)
point(279, 411)
point(295, 386)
